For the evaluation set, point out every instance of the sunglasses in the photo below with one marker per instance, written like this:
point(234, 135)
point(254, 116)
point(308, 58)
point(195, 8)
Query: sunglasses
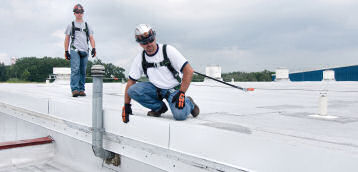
point(79, 11)
point(145, 40)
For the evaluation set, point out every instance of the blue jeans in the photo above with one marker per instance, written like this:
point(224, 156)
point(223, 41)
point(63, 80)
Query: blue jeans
point(145, 93)
point(78, 70)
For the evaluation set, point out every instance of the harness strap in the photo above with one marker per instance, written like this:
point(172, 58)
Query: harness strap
point(87, 32)
point(74, 29)
point(166, 62)
point(160, 97)
point(169, 65)
point(73, 33)
point(144, 64)
point(167, 94)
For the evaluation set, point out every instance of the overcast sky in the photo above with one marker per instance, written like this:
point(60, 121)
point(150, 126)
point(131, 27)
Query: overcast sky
point(238, 35)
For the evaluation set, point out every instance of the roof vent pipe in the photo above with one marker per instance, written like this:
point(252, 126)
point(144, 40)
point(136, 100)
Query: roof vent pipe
point(323, 104)
point(97, 72)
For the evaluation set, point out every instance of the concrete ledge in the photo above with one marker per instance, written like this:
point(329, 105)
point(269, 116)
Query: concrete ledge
point(141, 128)
point(150, 151)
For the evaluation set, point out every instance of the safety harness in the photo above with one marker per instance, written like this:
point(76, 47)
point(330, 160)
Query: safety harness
point(166, 62)
point(74, 29)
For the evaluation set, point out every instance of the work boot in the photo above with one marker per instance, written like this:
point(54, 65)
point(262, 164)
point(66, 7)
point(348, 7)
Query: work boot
point(195, 112)
point(159, 113)
point(75, 93)
point(82, 93)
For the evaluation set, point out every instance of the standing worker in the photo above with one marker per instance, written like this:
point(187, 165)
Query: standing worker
point(169, 75)
point(81, 33)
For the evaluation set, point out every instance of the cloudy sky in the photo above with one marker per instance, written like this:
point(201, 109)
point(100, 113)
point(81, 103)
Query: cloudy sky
point(238, 35)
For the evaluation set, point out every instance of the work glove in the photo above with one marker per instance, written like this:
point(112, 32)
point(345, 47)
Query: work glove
point(93, 52)
point(67, 55)
point(179, 99)
point(126, 110)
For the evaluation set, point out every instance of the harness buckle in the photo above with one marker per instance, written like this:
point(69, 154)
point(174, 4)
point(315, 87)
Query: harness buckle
point(156, 65)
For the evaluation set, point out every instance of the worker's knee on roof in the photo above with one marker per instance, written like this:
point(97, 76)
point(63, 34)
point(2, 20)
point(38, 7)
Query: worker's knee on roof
point(134, 92)
point(131, 91)
point(179, 116)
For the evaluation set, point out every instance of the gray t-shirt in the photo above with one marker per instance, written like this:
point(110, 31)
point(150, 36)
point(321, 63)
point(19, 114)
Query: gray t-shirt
point(80, 36)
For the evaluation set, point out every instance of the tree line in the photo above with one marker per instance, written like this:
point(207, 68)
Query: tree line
point(32, 69)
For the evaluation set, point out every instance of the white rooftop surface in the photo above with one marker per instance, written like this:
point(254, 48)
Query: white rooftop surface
point(273, 128)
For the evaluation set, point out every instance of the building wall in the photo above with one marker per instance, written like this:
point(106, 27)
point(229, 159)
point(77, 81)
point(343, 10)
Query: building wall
point(307, 76)
point(347, 73)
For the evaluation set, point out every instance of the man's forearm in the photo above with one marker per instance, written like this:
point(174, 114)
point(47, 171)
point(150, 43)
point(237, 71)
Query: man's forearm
point(92, 42)
point(66, 43)
point(187, 77)
point(127, 99)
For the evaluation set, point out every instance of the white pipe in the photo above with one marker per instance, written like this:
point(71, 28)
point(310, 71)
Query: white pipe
point(323, 104)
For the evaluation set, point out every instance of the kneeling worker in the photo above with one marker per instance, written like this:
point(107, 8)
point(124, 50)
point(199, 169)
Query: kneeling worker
point(169, 75)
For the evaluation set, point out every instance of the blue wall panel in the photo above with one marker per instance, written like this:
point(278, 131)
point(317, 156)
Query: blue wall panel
point(348, 73)
point(307, 76)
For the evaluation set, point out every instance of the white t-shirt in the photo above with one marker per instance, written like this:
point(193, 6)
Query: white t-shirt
point(161, 77)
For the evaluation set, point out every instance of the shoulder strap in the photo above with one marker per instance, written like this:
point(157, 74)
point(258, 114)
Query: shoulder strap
point(144, 64)
point(73, 32)
point(166, 62)
point(165, 53)
point(87, 32)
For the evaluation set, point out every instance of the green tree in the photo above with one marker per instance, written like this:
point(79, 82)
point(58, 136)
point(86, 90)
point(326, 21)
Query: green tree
point(248, 76)
point(3, 73)
point(197, 78)
point(112, 73)
point(25, 75)
point(39, 68)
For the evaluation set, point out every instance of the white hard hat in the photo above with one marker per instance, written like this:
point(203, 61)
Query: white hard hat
point(142, 29)
point(144, 34)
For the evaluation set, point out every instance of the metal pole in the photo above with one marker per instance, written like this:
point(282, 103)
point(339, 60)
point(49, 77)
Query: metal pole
point(244, 89)
point(97, 72)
